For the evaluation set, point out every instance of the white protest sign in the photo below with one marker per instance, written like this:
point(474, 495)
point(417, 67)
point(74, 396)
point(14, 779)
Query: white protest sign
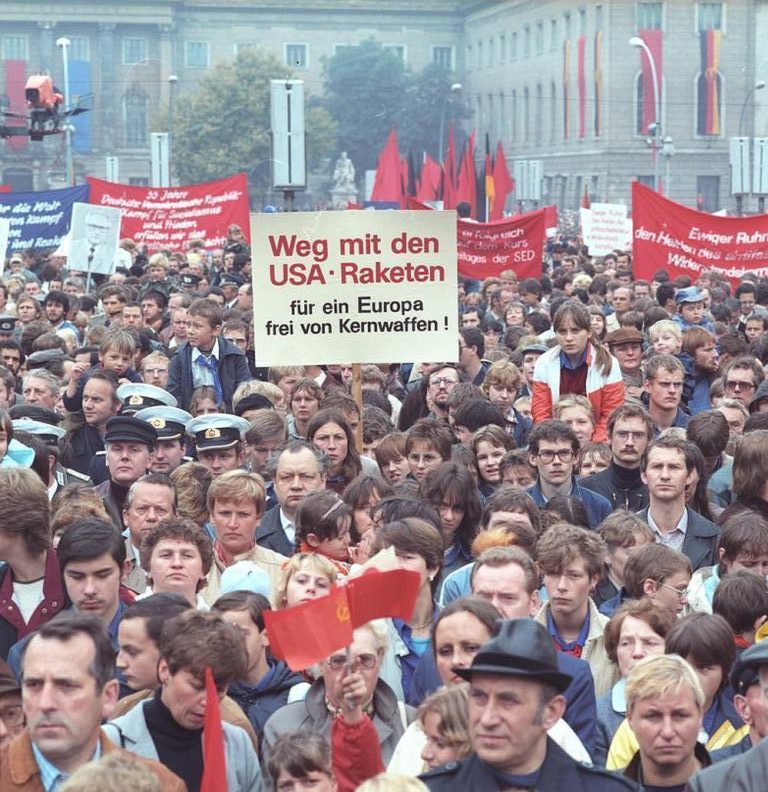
point(5, 230)
point(354, 287)
point(604, 228)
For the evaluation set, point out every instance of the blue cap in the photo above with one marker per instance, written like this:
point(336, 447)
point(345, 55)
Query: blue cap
point(245, 576)
point(689, 295)
point(48, 433)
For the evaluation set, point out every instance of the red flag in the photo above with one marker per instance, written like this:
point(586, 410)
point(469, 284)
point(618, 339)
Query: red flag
point(307, 633)
point(585, 203)
point(387, 185)
point(449, 173)
point(375, 595)
point(429, 184)
point(416, 205)
point(581, 84)
point(404, 181)
point(654, 41)
point(214, 762)
point(466, 187)
point(489, 185)
point(503, 183)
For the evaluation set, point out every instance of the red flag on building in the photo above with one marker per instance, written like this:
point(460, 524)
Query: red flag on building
point(585, 203)
point(503, 183)
point(466, 183)
point(598, 83)
point(653, 39)
point(581, 83)
point(566, 88)
point(709, 83)
point(387, 184)
point(489, 186)
point(449, 172)
point(214, 761)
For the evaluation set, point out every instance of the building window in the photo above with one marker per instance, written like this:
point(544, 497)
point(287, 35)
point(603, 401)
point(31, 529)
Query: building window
point(296, 56)
point(552, 112)
point(513, 47)
point(582, 21)
point(479, 54)
point(526, 115)
point(469, 57)
point(567, 25)
point(539, 110)
point(598, 18)
point(708, 193)
point(710, 16)
point(491, 49)
point(527, 41)
point(503, 120)
point(134, 50)
point(197, 55)
point(553, 42)
point(513, 117)
point(539, 38)
point(397, 49)
point(649, 16)
point(135, 118)
point(502, 48)
point(15, 48)
point(138, 181)
point(79, 48)
point(443, 56)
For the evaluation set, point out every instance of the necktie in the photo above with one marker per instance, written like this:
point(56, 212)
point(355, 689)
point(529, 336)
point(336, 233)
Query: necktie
point(210, 364)
point(90, 254)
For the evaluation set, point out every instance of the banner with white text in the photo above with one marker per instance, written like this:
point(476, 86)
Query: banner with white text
point(354, 287)
point(167, 218)
point(515, 243)
point(669, 236)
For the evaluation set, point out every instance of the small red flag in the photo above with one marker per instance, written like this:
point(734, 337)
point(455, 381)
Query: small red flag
point(585, 202)
point(449, 172)
point(387, 185)
point(503, 183)
point(309, 632)
point(466, 187)
point(214, 762)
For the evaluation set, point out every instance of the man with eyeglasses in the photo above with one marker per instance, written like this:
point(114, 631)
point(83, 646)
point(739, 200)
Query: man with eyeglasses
point(95, 251)
point(630, 429)
point(741, 378)
point(664, 375)
point(552, 449)
point(441, 381)
point(667, 469)
point(11, 712)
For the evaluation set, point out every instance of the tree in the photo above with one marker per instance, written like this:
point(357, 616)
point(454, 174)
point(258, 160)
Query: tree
point(365, 93)
point(223, 128)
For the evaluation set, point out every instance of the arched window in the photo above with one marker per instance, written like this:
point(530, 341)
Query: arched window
point(135, 106)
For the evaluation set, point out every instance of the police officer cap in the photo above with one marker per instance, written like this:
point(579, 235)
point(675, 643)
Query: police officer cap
point(189, 279)
point(137, 395)
point(36, 413)
point(7, 323)
point(48, 433)
point(519, 648)
point(253, 402)
point(538, 348)
point(170, 422)
point(217, 430)
point(231, 279)
point(127, 429)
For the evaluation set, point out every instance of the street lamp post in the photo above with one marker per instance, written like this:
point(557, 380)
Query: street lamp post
point(636, 41)
point(172, 80)
point(64, 43)
point(667, 151)
point(758, 86)
point(455, 88)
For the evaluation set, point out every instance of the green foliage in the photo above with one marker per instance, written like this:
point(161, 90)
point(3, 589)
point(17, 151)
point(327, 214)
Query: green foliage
point(365, 89)
point(368, 92)
point(223, 127)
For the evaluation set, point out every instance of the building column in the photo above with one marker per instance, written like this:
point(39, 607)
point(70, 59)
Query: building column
point(110, 98)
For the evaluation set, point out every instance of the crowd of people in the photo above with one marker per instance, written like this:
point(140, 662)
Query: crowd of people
point(582, 491)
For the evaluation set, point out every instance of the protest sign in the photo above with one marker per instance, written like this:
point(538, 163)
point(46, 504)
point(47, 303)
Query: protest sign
point(354, 287)
point(516, 243)
point(39, 219)
point(683, 241)
point(5, 227)
point(604, 228)
point(167, 218)
point(94, 236)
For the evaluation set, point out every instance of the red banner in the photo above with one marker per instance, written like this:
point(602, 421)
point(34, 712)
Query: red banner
point(581, 84)
point(167, 218)
point(516, 243)
point(683, 241)
point(654, 41)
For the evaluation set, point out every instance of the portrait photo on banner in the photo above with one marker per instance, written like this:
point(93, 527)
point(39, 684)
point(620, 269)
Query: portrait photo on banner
point(94, 236)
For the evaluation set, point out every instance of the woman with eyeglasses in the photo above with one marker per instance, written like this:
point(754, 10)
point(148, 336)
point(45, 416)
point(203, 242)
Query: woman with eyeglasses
point(578, 364)
point(349, 704)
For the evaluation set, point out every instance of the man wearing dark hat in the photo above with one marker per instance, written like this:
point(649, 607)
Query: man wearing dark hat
point(747, 771)
point(11, 712)
point(626, 345)
point(531, 353)
point(516, 695)
point(129, 442)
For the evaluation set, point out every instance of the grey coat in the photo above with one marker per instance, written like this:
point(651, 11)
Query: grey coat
point(243, 771)
point(747, 772)
point(313, 714)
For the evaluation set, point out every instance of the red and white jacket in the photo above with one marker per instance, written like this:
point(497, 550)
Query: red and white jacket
point(605, 393)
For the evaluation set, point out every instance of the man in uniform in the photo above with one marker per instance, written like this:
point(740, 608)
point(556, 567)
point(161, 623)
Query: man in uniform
point(516, 695)
point(170, 423)
point(219, 441)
